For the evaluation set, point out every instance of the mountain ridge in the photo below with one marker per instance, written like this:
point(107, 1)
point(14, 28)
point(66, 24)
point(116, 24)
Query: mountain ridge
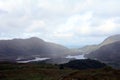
point(30, 47)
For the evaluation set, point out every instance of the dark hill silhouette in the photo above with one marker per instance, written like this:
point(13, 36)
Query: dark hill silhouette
point(84, 64)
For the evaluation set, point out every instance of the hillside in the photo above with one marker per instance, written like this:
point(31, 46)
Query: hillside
point(90, 48)
point(110, 40)
point(109, 54)
point(40, 71)
point(99, 74)
point(30, 48)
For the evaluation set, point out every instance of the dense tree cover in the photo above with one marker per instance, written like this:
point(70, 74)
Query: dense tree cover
point(84, 64)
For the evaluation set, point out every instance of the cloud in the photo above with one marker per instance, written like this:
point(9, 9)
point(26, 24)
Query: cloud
point(37, 24)
point(82, 25)
point(68, 22)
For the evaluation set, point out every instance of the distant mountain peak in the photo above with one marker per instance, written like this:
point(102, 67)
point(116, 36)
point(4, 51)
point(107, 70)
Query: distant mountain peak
point(117, 36)
point(111, 39)
point(29, 48)
point(35, 39)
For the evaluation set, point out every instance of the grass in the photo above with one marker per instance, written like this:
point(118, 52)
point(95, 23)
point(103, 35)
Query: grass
point(32, 71)
point(95, 74)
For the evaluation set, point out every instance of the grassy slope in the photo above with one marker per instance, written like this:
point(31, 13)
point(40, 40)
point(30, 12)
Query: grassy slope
point(98, 74)
point(52, 72)
point(31, 72)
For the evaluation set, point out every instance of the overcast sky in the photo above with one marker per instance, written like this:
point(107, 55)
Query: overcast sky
point(67, 22)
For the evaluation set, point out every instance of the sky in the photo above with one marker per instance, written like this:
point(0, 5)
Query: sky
point(72, 23)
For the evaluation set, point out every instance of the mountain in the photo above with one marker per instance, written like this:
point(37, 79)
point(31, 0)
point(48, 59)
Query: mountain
point(87, 49)
point(110, 39)
point(107, 51)
point(30, 48)
point(109, 54)
point(90, 48)
point(84, 64)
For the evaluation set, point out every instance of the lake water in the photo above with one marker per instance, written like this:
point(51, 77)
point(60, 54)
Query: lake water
point(36, 59)
point(76, 56)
